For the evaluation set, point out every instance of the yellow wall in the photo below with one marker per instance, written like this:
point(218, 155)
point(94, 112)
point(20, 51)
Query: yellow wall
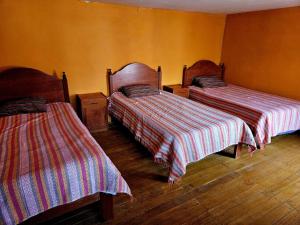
point(261, 50)
point(85, 39)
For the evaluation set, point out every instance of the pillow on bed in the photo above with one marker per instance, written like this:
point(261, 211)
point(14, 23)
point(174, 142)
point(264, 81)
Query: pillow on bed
point(139, 90)
point(23, 105)
point(208, 81)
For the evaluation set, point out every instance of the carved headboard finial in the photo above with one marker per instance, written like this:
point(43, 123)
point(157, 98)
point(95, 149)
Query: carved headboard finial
point(222, 66)
point(159, 76)
point(108, 71)
point(183, 75)
point(108, 81)
point(159, 69)
point(54, 73)
point(64, 75)
point(65, 87)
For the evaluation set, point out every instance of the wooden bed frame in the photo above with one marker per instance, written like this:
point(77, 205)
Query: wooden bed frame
point(204, 68)
point(139, 73)
point(17, 82)
point(207, 68)
point(201, 68)
point(133, 73)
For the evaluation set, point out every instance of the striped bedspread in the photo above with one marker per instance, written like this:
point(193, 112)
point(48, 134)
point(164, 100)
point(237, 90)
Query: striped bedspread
point(50, 159)
point(177, 130)
point(267, 115)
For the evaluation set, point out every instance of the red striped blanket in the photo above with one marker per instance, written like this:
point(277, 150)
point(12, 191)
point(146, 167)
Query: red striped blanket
point(177, 130)
point(50, 159)
point(267, 115)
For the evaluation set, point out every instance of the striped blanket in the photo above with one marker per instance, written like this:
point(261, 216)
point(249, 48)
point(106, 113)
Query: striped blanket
point(177, 130)
point(50, 159)
point(267, 115)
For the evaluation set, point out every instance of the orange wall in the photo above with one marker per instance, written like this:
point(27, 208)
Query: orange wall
point(261, 50)
point(85, 39)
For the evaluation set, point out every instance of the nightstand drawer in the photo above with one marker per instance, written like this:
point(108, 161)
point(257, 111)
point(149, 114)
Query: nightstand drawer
point(182, 92)
point(93, 101)
point(94, 117)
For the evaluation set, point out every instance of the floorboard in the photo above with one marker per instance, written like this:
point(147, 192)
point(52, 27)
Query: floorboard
point(262, 189)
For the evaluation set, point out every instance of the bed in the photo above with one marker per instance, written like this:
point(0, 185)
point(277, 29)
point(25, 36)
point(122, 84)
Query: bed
point(176, 130)
point(49, 162)
point(267, 115)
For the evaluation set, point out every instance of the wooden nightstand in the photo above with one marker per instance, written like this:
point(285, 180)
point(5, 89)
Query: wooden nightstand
point(177, 89)
point(92, 109)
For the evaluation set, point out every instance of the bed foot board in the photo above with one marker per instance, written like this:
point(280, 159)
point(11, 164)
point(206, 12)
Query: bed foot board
point(236, 153)
point(106, 206)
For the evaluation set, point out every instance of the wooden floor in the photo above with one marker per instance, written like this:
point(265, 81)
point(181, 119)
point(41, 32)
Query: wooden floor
point(264, 189)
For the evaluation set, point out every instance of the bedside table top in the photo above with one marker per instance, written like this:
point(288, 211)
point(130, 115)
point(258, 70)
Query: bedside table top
point(91, 95)
point(174, 86)
point(177, 89)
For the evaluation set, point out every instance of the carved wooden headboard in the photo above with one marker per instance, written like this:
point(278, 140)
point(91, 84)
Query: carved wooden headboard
point(133, 73)
point(201, 68)
point(18, 82)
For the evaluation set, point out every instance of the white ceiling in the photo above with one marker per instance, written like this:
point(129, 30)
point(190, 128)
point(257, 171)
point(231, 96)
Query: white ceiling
point(212, 6)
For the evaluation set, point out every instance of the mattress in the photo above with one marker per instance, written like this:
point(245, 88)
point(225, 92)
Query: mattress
point(267, 115)
point(50, 159)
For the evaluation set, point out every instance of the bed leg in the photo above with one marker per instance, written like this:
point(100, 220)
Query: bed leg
point(106, 206)
point(237, 150)
point(236, 153)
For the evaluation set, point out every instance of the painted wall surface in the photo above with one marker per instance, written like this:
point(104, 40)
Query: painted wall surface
point(261, 50)
point(86, 39)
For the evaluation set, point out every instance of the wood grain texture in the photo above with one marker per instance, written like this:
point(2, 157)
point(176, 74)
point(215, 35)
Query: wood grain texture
point(133, 73)
point(92, 110)
point(177, 89)
point(201, 68)
point(87, 213)
point(263, 189)
point(54, 212)
point(17, 82)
